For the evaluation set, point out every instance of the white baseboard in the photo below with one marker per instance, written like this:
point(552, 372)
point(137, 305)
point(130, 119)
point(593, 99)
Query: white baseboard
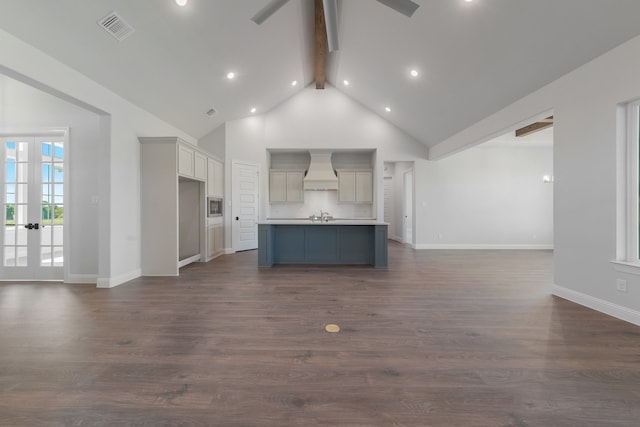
point(229, 251)
point(606, 307)
point(82, 278)
point(112, 282)
point(396, 238)
point(445, 246)
point(187, 261)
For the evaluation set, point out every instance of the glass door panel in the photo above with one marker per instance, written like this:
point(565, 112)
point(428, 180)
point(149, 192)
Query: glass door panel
point(33, 201)
point(16, 203)
point(52, 209)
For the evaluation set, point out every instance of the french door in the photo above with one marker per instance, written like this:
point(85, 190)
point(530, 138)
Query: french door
point(33, 171)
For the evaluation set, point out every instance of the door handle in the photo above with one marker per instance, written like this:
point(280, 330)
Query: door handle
point(237, 218)
point(36, 226)
point(29, 226)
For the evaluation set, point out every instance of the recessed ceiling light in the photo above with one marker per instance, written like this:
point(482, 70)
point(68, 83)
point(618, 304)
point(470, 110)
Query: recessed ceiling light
point(293, 83)
point(231, 75)
point(414, 73)
point(387, 109)
point(468, 1)
point(346, 82)
point(253, 110)
point(181, 2)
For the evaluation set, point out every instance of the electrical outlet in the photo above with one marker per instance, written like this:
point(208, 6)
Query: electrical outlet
point(621, 285)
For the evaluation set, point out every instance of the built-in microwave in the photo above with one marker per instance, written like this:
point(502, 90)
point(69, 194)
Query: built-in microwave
point(214, 206)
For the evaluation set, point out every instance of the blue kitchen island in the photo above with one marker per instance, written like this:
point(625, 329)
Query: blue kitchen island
point(361, 242)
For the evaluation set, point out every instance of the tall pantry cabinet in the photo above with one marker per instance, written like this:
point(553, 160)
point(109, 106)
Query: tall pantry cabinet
point(173, 186)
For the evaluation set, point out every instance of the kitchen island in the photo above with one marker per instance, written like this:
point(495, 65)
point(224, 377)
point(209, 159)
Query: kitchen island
point(335, 242)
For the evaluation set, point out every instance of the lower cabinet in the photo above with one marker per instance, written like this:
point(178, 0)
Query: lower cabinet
point(322, 244)
point(215, 240)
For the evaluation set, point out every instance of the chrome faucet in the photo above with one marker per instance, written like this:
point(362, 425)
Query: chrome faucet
point(324, 216)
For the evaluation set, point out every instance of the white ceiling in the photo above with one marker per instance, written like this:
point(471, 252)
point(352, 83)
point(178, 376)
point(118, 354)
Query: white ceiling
point(474, 58)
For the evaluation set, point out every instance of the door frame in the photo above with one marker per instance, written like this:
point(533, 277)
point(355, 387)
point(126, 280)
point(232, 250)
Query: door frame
point(234, 228)
point(50, 132)
point(408, 205)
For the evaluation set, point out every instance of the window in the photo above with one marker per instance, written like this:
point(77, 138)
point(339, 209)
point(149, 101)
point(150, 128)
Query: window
point(628, 247)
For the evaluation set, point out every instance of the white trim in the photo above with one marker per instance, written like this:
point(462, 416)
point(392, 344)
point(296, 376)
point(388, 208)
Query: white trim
point(187, 261)
point(112, 282)
point(396, 238)
point(40, 132)
point(229, 251)
point(627, 267)
point(606, 307)
point(82, 278)
point(631, 249)
point(482, 246)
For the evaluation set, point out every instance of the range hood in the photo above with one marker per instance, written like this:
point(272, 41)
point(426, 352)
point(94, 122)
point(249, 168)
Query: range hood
point(320, 175)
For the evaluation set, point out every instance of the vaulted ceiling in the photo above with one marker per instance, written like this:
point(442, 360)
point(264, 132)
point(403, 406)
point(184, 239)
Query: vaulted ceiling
point(473, 58)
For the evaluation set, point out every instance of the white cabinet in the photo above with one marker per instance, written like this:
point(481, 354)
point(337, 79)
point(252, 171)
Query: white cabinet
point(174, 223)
point(215, 178)
point(286, 186)
point(355, 186)
point(185, 160)
point(200, 166)
point(215, 240)
point(191, 163)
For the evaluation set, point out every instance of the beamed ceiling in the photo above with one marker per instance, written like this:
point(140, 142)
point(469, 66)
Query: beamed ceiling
point(473, 58)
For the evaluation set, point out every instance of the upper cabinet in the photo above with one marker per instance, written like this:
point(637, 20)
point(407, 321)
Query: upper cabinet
point(185, 160)
point(355, 186)
point(215, 178)
point(200, 167)
point(191, 163)
point(286, 186)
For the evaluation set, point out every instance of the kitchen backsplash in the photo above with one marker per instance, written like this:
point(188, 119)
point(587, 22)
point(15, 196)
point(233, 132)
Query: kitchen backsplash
point(314, 201)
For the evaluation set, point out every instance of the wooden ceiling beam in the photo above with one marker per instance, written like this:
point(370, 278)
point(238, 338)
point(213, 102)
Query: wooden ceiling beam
point(320, 44)
point(535, 127)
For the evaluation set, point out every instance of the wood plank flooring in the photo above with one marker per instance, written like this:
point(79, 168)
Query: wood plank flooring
point(442, 338)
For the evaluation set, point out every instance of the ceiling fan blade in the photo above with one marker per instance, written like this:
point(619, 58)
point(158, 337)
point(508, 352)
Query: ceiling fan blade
point(331, 22)
point(405, 7)
point(272, 7)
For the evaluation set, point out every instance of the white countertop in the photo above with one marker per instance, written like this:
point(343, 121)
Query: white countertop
point(339, 221)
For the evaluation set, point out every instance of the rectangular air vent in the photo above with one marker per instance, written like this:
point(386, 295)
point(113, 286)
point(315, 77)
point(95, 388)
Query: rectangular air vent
point(116, 26)
point(211, 112)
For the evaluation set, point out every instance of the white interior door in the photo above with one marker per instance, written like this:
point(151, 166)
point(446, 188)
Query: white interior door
point(245, 183)
point(407, 224)
point(33, 203)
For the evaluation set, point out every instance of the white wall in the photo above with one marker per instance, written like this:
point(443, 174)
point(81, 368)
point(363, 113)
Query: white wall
point(317, 119)
point(586, 145)
point(488, 197)
point(27, 108)
point(121, 123)
point(460, 197)
point(214, 142)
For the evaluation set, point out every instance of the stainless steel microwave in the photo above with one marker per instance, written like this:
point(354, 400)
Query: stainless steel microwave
point(214, 206)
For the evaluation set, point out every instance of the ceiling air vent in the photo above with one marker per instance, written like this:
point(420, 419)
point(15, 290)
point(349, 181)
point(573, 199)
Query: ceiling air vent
point(116, 26)
point(211, 112)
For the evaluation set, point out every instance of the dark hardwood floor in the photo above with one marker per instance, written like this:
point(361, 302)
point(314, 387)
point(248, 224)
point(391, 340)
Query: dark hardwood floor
point(443, 338)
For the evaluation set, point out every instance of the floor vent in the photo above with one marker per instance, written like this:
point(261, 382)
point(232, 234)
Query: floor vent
point(116, 26)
